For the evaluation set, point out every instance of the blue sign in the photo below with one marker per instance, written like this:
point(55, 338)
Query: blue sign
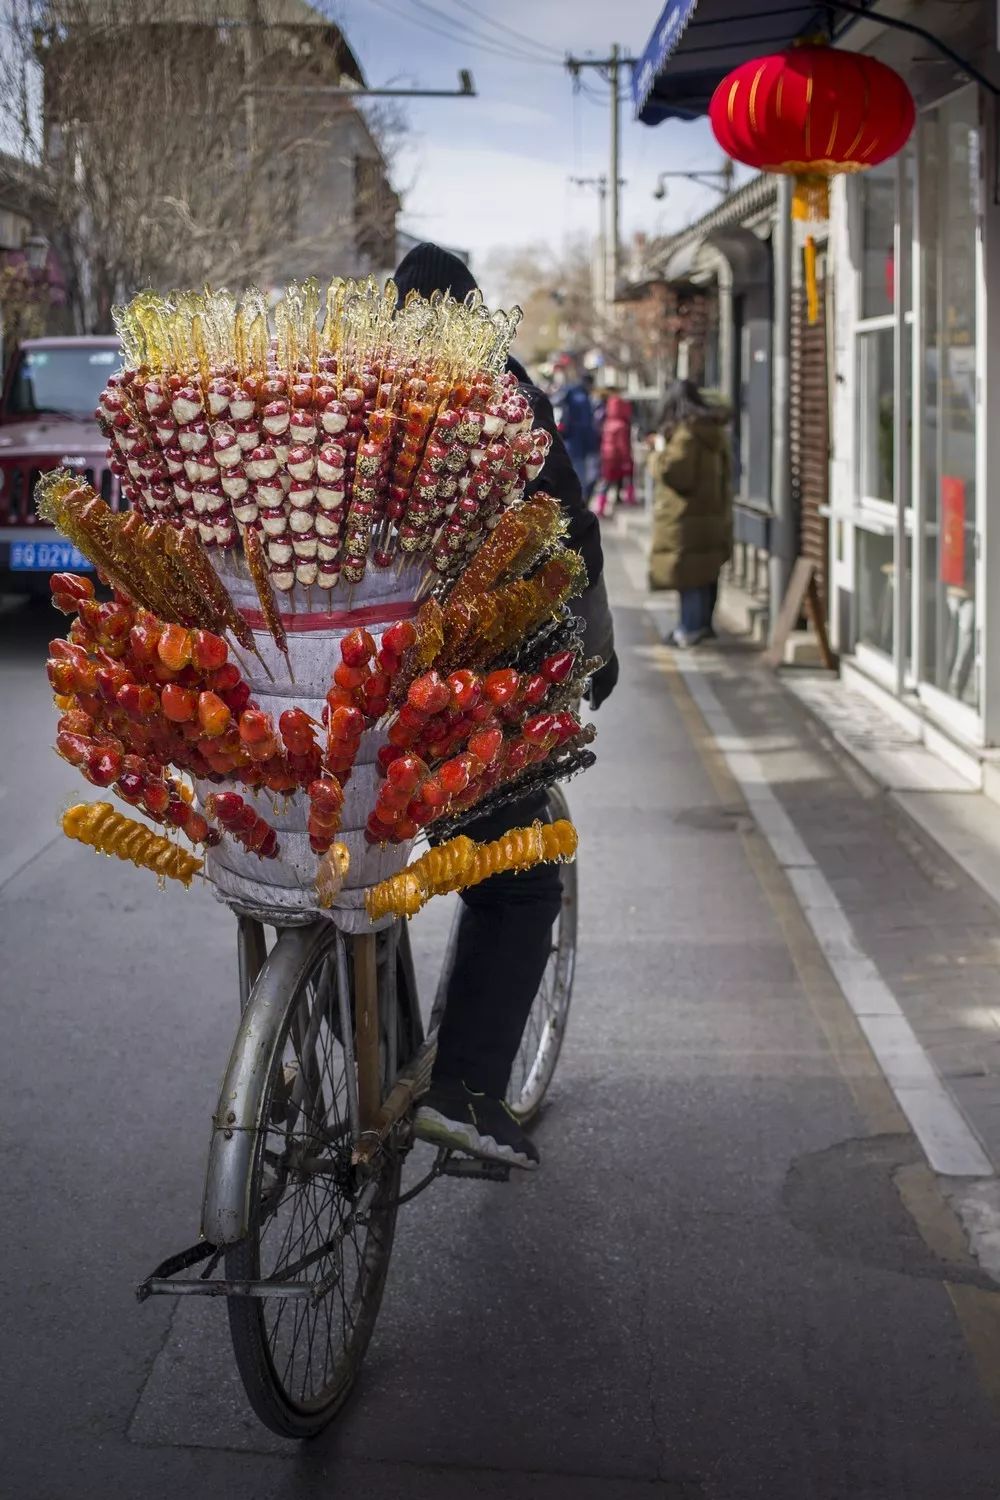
point(666, 35)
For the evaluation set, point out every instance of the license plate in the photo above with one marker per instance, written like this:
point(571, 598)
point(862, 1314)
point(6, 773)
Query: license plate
point(47, 557)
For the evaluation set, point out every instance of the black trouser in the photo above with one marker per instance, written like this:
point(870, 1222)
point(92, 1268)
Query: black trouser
point(504, 942)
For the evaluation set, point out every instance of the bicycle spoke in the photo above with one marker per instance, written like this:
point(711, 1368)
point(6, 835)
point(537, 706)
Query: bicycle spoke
point(303, 1214)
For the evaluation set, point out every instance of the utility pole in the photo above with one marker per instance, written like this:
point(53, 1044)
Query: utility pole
point(601, 280)
point(612, 291)
point(610, 68)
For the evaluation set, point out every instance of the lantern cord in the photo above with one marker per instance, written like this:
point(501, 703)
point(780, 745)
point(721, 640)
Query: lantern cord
point(928, 36)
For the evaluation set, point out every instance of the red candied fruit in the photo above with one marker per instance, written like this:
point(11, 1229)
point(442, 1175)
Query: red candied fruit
point(178, 703)
point(501, 686)
point(71, 585)
point(155, 798)
point(130, 786)
point(485, 744)
point(213, 715)
point(539, 727)
point(104, 765)
point(406, 771)
point(534, 689)
point(209, 651)
point(466, 689)
point(428, 693)
point(255, 726)
point(226, 677)
point(346, 723)
point(357, 648)
point(399, 637)
point(144, 638)
point(174, 647)
point(558, 666)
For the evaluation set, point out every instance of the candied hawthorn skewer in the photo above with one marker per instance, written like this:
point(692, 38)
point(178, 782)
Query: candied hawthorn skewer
point(326, 801)
point(110, 832)
point(461, 863)
point(243, 823)
point(257, 563)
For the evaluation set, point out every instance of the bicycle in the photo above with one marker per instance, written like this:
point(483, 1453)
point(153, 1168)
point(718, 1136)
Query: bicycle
point(313, 1125)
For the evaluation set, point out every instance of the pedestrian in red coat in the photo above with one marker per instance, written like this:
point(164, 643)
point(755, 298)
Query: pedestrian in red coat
point(616, 455)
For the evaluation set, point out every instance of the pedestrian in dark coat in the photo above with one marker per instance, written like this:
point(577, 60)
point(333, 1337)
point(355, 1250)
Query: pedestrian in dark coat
point(692, 507)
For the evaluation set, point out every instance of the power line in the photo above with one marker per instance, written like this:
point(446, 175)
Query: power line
point(520, 36)
point(472, 37)
point(483, 45)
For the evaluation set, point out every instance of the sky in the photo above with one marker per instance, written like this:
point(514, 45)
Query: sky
point(494, 172)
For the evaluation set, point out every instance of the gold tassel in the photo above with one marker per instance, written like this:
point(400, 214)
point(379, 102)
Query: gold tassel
point(811, 197)
point(809, 268)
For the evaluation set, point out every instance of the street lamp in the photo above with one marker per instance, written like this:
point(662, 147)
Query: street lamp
point(36, 253)
point(721, 181)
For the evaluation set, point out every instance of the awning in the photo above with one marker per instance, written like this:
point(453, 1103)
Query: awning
point(695, 43)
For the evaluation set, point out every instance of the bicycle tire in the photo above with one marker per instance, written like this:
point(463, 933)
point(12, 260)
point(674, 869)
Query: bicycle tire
point(291, 1122)
point(545, 1028)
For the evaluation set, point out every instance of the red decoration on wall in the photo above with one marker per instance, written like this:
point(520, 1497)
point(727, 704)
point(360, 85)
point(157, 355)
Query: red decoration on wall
point(951, 560)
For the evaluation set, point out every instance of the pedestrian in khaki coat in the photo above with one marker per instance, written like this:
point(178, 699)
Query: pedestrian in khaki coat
point(692, 507)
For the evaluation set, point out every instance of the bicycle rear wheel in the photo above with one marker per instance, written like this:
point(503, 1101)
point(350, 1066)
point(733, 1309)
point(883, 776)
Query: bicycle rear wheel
point(313, 1217)
point(545, 1027)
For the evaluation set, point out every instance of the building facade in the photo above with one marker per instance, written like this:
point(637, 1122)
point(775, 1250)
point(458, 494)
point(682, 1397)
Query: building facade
point(913, 316)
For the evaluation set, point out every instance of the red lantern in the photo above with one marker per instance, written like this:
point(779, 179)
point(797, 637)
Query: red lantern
point(812, 112)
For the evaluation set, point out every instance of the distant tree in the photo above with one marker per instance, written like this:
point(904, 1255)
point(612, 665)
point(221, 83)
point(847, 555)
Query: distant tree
point(555, 290)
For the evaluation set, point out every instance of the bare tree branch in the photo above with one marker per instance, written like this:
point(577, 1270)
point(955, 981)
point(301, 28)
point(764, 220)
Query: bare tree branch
point(166, 164)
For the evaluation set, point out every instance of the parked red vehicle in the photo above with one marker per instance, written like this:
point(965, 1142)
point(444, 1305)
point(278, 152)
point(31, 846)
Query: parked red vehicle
point(47, 422)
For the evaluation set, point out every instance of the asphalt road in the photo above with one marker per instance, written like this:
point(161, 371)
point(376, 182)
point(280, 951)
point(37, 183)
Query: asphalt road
point(714, 1289)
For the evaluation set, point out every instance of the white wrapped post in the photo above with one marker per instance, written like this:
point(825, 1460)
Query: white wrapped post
point(286, 885)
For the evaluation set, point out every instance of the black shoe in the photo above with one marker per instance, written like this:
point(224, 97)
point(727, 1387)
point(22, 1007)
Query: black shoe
point(453, 1116)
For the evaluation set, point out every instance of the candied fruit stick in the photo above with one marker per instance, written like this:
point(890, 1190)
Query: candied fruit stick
point(429, 625)
point(401, 895)
point(149, 579)
point(457, 866)
point(257, 563)
point(525, 604)
point(110, 832)
point(190, 553)
point(491, 562)
point(547, 527)
point(69, 505)
point(518, 849)
point(446, 867)
point(332, 873)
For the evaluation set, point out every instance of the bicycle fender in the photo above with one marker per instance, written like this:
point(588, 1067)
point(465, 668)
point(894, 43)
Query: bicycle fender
point(230, 1157)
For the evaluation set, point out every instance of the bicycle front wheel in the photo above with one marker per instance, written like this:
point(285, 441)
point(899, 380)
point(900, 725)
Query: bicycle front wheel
point(313, 1217)
point(545, 1028)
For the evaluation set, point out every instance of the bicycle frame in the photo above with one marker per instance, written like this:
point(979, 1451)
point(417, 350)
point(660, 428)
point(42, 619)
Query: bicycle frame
point(227, 1182)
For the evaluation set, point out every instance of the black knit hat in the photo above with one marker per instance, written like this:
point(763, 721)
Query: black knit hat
point(427, 268)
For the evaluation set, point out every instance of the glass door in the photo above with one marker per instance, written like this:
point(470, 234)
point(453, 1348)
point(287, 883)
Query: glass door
point(949, 226)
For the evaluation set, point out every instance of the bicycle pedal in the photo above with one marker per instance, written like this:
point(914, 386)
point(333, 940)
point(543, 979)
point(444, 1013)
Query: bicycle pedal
point(474, 1166)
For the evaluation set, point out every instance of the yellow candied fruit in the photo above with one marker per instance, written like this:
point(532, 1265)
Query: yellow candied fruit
point(110, 832)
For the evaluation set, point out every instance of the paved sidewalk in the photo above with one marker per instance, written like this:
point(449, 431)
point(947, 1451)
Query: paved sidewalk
point(856, 788)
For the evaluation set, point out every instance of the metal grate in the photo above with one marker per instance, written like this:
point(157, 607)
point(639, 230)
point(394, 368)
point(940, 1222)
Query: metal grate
point(17, 498)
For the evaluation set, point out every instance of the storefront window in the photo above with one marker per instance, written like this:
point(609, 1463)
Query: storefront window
point(949, 208)
point(877, 190)
point(876, 590)
point(877, 416)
